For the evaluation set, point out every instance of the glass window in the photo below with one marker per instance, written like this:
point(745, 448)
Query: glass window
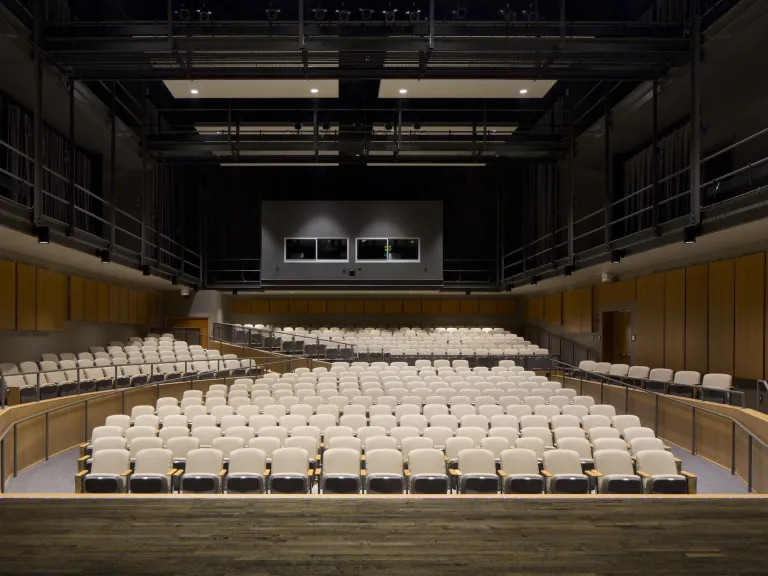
point(403, 249)
point(332, 249)
point(372, 249)
point(300, 249)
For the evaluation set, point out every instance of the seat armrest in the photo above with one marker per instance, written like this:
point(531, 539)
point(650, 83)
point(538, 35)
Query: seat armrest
point(79, 477)
point(126, 473)
point(501, 473)
point(691, 480)
point(687, 474)
point(362, 472)
point(362, 457)
point(407, 472)
point(546, 473)
point(593, 473)
point(266, 472)
point(222, 473)
point(643, 474)
point(179, 472)
point(317, 472)
point(455, 472)
point(172, 471)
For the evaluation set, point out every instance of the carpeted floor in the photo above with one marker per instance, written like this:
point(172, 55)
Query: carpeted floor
point(57, 475)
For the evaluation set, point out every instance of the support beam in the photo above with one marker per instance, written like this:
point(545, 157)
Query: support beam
point(302, 38)
point(431, 24)
point(113, 168)
point(695, 116)
point(37, 204)
point(655, 160)
point(144, 175)
point(72, 149)
point(608, 172)
point(571, 180)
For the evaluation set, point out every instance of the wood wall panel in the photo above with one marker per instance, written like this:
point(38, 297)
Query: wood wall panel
point(506, 306)
point(336, 306)
point(721, 316)
point(143, 311)
point(297, 306)
point(749, 316)
point(389, 536)
point(259, 306)
point(488, 306)
point(7, 295)
point(374, 307)
point(125, 307)
point(430, 306)
point(241, 306)
point(449, 306)
point(91, 304)
point(154, 307)
point(133, 307)
point(696, 317)
point(553, 309)
point(46, 300)
point(468, 307)
point(674, 320)
point(609, 296)
point(114, 303)
point(278, 306)
point(354, 306)
point(76, 299)
point(411, 306)
point(393, 306)
point(316, 307)
point(26, 297)
point(648, 321)
point(572, 311)
point(536, 308)
point(587, 313)
point(104, 309)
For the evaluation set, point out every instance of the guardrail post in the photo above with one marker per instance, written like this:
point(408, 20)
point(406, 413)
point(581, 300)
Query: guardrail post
point(693, 431)
point(749, 465)
point(37, 378)
point(15, 452)
point(626, 398)
point(85, 421)
point(733, 447)
point(2, 466)
point(37, 206)
point(656, 428)
point(46, 435)
point(695, 148)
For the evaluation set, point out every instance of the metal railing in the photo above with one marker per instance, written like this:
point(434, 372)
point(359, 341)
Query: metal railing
point(591, 230)
point(291, 343)
point(46, 413)
point(566, 370)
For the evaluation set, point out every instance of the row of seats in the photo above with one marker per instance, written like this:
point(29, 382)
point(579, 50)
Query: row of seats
point(660, 375)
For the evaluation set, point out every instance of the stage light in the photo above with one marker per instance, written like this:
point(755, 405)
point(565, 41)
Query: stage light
point(326, 125)
point(523, 91)
point(357, 126)
point(689, 234)
point(366, 13)
point(403, 91)
point(657, 231)
point(534, 280)
point(616, 256)
point(390, 13)
point(106, 256)
point(417, 125)
point(174, 280)
point(344, 15)
point(320, 13)
point(468, 292)
point(568, 270)
point(194, 91)
point(43, 235)
point(145, 270)
point(297, 126)
point(460, 13)
point(272, 13)
point(314, 90)
point(414, 15)
point(184, 13)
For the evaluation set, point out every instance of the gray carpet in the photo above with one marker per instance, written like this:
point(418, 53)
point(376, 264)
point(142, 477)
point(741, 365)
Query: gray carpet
point(57, 475)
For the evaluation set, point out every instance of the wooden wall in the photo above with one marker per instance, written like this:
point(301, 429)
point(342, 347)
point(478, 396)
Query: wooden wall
point(374, 306)
point(386, 535)
point(37, 299)
point(709, 318)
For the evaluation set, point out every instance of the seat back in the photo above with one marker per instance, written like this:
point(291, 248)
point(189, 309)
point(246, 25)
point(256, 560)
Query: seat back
point(613, 462)
point(519, 461)
point(266, 444)
point(204, 461)
point(142, 443)
point(532, 443)
point(247, 461)
point(477, 461)
point(661, 375)
point(687, 377)
point(623, 421)
point(562, 462)
point(426, 461)
point(379, 442)
point(381, 461)
point(639, 444)
point(342, 461)
point(110, 461)
point(578, 445)
point(610, 444)
point(153, 461)
point(655, 462)
point(717, 380)
point(227, 443)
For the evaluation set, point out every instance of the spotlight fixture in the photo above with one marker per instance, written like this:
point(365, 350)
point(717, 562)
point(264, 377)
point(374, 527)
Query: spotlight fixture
point(357, 126)
point(145, 270)
point(314, 90)
point(508, 14)
point(106, 256)
point(390, 13)
point(534, 280)
point(468, 292)
point(414, 15)
point(417, 125)
point(366, 13)
point(523, 90)
point(297, 126)
point(204, 15)
point(234, 292)
point(460, 13)
point(184, 13)
point(509, 287)
point(272, 14)
point(43, 235)
point(174, 280)
point(326, 125)
point(616, 256)
point(689, 234)
point(344, 15)
point(403, 91)
point(194, 91)
point(320, 13)
point(717, 185)
point(568, 270)
point(657, 231)
point(388, 126)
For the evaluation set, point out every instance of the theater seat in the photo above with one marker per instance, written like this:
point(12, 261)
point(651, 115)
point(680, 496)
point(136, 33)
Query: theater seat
point(153, 472)
point(203, 472)
point(658, 470)
point(563, 472)
point(109, 471)
point(615, 473)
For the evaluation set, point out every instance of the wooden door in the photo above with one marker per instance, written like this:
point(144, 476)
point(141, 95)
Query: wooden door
point(200, 324)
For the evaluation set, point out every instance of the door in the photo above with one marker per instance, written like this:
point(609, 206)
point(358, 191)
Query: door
point(616, 336)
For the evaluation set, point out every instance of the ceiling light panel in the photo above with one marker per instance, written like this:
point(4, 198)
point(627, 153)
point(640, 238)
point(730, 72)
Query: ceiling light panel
point(253, 88)
point(465, 88)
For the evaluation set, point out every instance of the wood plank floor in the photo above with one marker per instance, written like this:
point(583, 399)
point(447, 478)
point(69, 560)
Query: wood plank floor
point(385, 535)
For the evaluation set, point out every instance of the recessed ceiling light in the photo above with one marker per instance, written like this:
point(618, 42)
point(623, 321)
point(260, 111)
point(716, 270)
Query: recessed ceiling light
point(193, 91)
point(314, 90)
point(403, 91)
point(523, 91)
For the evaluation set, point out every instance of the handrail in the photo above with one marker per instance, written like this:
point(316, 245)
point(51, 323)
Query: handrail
point(604, 379)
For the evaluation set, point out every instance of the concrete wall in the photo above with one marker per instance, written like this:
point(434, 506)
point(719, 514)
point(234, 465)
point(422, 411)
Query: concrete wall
point(351, 220)
point(203, 304)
